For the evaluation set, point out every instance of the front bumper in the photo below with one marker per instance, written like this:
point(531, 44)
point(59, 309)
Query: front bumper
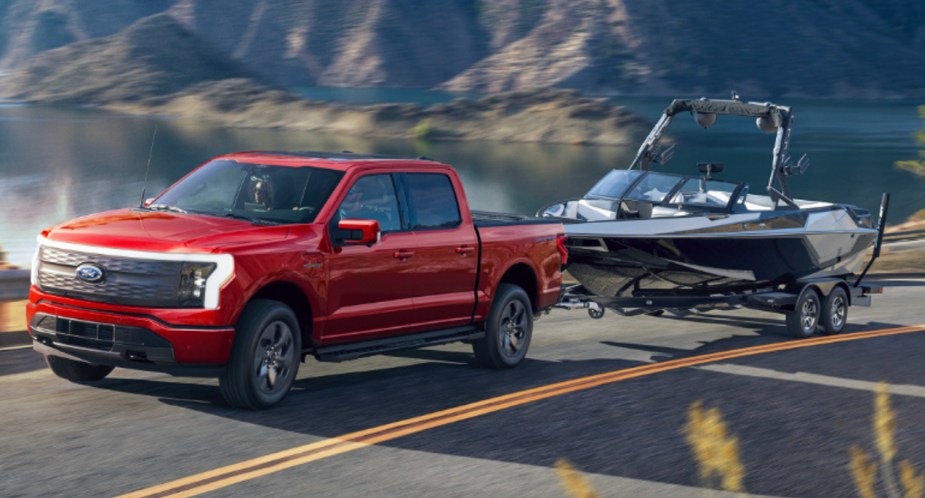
point(127, 340)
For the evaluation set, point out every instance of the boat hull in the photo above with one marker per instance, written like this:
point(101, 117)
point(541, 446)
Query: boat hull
point(610, 264)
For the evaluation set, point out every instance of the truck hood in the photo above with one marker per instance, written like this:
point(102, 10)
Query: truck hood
point(158, 231)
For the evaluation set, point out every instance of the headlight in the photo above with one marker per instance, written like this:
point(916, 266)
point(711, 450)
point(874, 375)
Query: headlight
point(193, 278)
point(34, 271)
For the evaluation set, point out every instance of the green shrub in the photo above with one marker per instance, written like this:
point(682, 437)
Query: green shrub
point(423, 130)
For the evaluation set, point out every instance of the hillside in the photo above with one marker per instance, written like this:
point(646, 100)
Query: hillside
point(550, 116)
point(157, 66)
point(775, 48)
point(155, 56)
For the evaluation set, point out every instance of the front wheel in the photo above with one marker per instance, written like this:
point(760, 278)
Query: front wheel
point(804, 319)
point(265, 356)
point(76, 371)
point(508, 329)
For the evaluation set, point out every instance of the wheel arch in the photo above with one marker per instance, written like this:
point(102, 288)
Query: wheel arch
point(295, 298)
point(522, 275)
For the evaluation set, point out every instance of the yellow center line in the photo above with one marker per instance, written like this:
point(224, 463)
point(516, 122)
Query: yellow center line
point(300, 455)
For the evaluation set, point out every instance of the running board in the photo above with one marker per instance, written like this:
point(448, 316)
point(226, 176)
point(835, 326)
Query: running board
point(353, 350)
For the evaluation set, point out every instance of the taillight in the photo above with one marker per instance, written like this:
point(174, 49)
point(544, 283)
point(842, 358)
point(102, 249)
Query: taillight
point(560, 246)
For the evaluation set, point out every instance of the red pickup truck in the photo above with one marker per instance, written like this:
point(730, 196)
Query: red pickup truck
point(255, 260)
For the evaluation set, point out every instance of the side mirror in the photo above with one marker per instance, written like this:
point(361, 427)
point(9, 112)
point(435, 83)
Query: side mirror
point(357, 232)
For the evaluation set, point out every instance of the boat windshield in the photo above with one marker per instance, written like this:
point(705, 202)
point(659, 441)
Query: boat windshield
point(686, 192)
point(653, 187)
point(256, 192)
point(614, 184)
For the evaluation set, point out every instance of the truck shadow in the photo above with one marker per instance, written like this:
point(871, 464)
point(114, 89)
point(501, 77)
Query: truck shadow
point(333, 404)
point(440, 378)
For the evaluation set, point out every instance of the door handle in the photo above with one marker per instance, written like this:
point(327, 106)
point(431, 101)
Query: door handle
point(402, 254)
point(464, 250)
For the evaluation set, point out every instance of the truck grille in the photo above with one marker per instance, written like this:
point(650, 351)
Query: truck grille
point(127, 281)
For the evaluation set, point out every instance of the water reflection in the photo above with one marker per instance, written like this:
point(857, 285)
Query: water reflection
point(57, 164)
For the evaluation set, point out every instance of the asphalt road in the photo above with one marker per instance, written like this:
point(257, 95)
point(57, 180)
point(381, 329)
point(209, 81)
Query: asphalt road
point(796, 414)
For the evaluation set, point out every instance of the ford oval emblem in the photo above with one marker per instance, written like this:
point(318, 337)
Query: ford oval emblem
point(91, 273)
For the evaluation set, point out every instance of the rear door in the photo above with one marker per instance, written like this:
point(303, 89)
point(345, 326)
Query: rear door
point(446, 253)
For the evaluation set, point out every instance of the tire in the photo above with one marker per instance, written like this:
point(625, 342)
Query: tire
point(76, 371)
point(804, 319)
point(508, 329)
point(265, 356)
point(835, 312)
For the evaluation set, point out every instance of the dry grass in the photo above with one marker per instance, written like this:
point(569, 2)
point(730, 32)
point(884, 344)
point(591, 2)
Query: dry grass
point(864, 469)
point(13, 316)
point(716, 451)
point(900, 262)
point(574, 483)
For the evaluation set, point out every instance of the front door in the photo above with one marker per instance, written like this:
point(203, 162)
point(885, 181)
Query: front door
point(371, 288)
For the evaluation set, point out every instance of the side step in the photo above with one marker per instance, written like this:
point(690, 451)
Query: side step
point(353, 350)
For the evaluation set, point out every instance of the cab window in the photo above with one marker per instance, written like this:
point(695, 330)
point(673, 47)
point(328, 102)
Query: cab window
point(433, 201)
point(373, 197)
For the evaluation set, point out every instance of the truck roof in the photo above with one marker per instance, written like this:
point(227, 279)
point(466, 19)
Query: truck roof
point(341, 161)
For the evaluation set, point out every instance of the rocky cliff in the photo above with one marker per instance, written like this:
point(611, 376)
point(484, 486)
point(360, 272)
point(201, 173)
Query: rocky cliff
point(154, 57)
point(159, 66)
point(687, 47)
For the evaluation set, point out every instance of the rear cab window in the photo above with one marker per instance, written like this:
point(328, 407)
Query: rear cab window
point(433, 201)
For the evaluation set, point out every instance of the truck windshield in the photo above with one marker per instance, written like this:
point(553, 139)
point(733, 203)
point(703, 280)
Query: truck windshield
point(258, 192)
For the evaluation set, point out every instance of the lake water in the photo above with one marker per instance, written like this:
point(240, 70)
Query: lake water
point(56, 163)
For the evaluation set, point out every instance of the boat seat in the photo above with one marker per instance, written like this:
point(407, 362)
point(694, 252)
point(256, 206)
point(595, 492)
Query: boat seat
point(635, 210)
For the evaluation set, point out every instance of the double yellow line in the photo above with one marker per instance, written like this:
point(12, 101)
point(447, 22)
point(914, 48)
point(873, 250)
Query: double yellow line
point(275, 462)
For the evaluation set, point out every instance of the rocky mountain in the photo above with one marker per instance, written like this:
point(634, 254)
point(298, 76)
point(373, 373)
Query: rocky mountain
point(154, 57)
point(772, 48)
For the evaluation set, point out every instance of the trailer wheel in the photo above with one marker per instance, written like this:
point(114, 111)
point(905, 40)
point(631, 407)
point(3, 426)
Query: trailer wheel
point(804, 319)
point(835, 312)
point(76, 371)
point(507, 331)
point(265, 356)
point(596, 313)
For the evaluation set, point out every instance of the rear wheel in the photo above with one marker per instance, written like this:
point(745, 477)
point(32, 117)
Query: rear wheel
point(804, 319)
point(835, 312)
point(76, 371)
point(508, 329)
point(265, 357)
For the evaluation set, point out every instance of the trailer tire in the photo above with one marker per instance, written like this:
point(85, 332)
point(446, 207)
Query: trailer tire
point(508, 329)
point(803, 321)
point(76, 371)
point(835, 312)
point(265, 356)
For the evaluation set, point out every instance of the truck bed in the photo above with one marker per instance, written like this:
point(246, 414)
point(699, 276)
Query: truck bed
point(492, 219)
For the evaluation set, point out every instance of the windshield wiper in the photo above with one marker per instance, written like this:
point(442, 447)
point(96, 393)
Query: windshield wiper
point(252, 219)
point(165, 207)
